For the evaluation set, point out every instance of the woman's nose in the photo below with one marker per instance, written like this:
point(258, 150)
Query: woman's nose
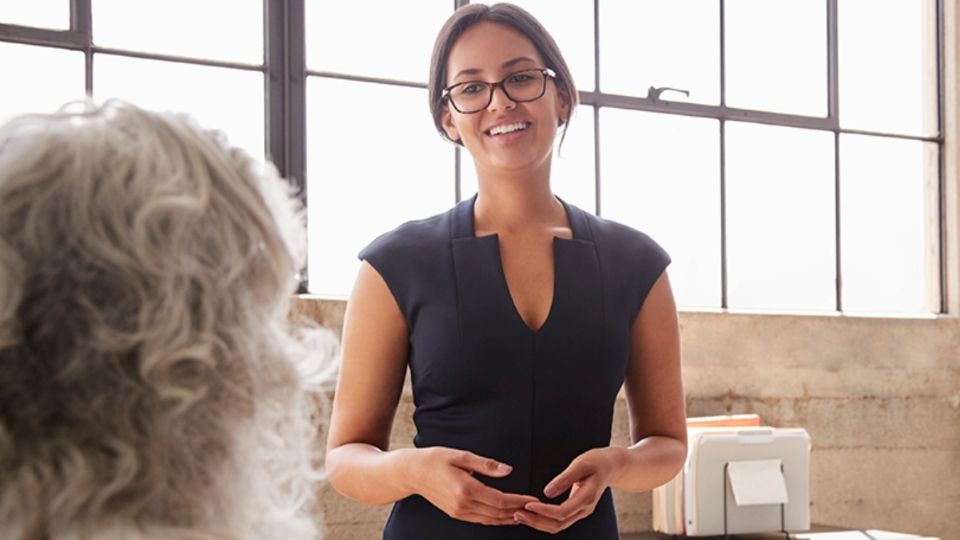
point(500, 100)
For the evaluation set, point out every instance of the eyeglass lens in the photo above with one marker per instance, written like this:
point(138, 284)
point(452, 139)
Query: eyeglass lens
point(522, 86)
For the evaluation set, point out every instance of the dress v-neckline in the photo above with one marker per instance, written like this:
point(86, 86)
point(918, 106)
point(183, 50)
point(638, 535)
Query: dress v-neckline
point(505, 285)
point(505, 291)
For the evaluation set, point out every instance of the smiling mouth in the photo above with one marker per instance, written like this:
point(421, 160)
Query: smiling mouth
point(508, 128)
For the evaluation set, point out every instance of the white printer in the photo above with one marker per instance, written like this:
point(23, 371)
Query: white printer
point(736, 480)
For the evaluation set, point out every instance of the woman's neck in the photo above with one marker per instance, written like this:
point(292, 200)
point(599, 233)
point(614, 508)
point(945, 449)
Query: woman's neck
point(516, 202)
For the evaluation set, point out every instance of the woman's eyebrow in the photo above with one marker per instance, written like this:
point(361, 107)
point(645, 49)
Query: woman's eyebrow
point(470, 71)
point(518, 60)
point(509, 63)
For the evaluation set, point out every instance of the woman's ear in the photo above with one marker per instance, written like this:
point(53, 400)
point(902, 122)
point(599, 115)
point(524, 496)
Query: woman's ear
point(563, 108)
point(446, 120)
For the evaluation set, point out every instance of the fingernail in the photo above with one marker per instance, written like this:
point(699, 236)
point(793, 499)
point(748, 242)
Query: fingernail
point(503, 467)
point(550, 491)
point(518, 518)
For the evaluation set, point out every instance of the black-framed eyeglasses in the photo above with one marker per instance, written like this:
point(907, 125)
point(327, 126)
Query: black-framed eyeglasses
point(521, 86)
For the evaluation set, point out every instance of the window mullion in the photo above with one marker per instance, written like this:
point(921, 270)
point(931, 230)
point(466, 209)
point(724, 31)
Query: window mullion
point(285, 73)
point(833, 62)
point(724, 299)
point(296, 95)
point(597, 191)
point(285, 88)
point(833, 115)
point(942, 178)
point(81, 24)
point(67, 39)
point(81, 18)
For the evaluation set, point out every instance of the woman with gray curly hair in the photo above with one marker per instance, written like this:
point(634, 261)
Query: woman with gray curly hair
point(151, 385)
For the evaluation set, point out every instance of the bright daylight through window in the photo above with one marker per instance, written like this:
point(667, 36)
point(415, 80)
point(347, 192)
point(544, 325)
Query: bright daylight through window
point(786, 154)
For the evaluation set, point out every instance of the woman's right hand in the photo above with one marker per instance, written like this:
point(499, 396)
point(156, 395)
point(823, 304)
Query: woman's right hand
point(445, 477)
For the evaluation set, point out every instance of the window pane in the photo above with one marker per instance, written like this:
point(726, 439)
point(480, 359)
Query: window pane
point(572, 173)
point(367, 38)
point(660, 174)
point(229, 100)
point(781, 240)
point(38, 79)
point(571, 25)
point(888, 78)
point(52, 14)
point(889, 224)
point(368, 174)
point(650, 43)
point(229, 30)
point(777, 56)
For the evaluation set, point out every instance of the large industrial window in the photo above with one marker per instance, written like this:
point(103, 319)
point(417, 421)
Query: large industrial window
point(787, 154)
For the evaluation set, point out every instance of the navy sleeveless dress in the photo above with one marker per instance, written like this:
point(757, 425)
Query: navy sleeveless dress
point(483, 381)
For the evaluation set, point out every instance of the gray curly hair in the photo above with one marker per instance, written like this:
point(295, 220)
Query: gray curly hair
point(149, 374)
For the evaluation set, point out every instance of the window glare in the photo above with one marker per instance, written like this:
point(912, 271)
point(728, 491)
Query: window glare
point(369, 172)
point(888, 241)
point(365, 38)
point(780, 227)
point(193, 89)
point(888, 79)
point(51, 14)
point(792, 209)
point(777, 56)
point(27, 89)
point(574, 168)
point(228, 30)
point(660, 175)
point(661, 44)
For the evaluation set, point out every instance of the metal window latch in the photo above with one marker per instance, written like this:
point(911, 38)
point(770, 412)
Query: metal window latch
point(653, 93)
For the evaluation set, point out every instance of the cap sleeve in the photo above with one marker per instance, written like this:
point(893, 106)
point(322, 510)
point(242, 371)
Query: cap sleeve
point(650, 261)
point(384, 254)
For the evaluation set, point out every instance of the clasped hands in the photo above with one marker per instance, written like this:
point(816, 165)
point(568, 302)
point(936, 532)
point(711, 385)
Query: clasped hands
point(448, 482)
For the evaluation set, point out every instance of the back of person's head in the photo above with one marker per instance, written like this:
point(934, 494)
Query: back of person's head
point(148, 375)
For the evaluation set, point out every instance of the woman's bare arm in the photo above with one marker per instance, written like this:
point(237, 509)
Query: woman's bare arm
point(654, 392)
point(368, 390)
point(359, 462)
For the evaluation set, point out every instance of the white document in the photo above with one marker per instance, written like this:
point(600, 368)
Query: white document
point(859, 535)
point(757, 482)
point(887, 535)
point(836, 535)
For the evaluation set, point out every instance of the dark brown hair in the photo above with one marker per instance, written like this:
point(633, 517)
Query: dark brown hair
point(508, 15)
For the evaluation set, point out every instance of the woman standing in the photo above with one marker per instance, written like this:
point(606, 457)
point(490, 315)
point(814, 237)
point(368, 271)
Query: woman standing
point(520, 317)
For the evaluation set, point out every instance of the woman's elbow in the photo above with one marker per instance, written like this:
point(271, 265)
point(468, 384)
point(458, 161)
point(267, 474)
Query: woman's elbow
point(336, 468)
point(678, 456)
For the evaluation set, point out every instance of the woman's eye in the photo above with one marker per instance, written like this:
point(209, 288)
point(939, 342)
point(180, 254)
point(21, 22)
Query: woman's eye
point(473, 88)
point(520, 78)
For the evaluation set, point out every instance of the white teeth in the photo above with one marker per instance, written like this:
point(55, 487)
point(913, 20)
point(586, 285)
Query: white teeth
point(508, 128)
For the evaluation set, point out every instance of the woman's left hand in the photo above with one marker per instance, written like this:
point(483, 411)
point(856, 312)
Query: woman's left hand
point(586, 477)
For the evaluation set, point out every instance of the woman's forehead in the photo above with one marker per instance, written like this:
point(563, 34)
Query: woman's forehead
point(489, 48)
